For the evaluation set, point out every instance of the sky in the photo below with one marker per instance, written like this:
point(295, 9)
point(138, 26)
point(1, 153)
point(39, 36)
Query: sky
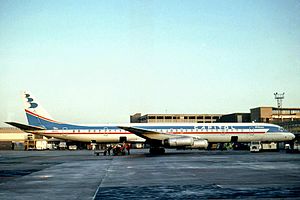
point(101, 61)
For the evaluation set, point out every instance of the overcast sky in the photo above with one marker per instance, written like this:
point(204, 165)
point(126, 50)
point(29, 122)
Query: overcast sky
point(100, 61)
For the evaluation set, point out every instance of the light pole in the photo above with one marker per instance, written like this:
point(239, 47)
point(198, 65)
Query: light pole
point(279, 97)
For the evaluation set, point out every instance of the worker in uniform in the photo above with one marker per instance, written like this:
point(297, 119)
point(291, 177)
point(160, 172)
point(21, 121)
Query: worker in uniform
point(128, 146)
point(109, 148)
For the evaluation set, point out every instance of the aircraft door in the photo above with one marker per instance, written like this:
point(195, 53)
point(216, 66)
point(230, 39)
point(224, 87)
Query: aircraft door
point(123, 139)
point(234, 139)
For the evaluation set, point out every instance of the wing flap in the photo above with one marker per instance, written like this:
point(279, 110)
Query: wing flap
point(147, 134)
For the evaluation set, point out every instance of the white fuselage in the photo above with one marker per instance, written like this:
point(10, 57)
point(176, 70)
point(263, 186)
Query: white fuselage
point(213, 133)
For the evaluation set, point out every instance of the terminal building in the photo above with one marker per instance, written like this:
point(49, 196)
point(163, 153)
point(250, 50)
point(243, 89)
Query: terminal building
point(15, 139)
point(274, 115)
point(174, 118)
point(189, 118)
point(259, 114)
point(236, 117)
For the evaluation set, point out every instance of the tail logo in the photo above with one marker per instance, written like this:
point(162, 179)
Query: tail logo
point(30, 101)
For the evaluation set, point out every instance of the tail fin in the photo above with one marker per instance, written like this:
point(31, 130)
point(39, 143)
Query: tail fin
point(35, 113)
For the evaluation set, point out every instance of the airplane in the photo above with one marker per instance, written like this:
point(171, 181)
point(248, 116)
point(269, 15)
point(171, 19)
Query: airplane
point(158, 135)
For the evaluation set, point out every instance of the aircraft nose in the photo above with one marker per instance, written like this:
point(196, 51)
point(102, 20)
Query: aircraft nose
point(292, 136)
point(289, 136)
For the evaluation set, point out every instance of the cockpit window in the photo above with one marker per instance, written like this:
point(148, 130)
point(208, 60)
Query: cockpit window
point(282, 129)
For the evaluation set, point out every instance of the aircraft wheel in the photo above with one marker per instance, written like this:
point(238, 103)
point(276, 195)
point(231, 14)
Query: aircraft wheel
point(157, 151)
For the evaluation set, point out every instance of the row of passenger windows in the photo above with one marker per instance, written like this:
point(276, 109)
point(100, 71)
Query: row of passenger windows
point(164, 130)
point(97, 130)
point(185, 117)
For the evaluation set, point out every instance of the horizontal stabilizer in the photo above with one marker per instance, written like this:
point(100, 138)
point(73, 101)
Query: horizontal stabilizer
point(25, 127)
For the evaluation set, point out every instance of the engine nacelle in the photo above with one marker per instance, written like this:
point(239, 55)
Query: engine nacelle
point(185, 142)
point(200, 144)
point(179, 142)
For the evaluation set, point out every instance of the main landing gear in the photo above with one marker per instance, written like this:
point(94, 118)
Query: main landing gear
point(157, 150)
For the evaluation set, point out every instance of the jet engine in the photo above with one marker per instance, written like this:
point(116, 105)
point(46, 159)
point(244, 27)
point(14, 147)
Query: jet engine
point(200, 144)
point(185, 142)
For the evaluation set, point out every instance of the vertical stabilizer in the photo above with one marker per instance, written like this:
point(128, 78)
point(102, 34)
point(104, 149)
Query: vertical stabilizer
point(35, 113)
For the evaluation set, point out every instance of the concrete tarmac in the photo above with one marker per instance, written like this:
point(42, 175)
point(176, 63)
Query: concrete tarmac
point(176, 175)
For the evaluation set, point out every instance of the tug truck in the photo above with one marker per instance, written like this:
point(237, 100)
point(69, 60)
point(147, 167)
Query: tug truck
point(258, 146)
point(255, 146)
point(272, 146)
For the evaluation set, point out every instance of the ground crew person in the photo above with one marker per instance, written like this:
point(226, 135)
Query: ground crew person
point(128, 146)
point(108, 149)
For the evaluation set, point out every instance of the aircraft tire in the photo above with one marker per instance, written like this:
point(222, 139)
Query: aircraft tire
point(157, 151)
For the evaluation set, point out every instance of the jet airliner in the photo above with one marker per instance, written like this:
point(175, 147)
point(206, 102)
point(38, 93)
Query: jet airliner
point(158, 135)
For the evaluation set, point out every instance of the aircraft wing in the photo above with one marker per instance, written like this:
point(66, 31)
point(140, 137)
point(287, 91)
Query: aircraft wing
point(158, 139)
point(147, 134)
point(25, 127)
